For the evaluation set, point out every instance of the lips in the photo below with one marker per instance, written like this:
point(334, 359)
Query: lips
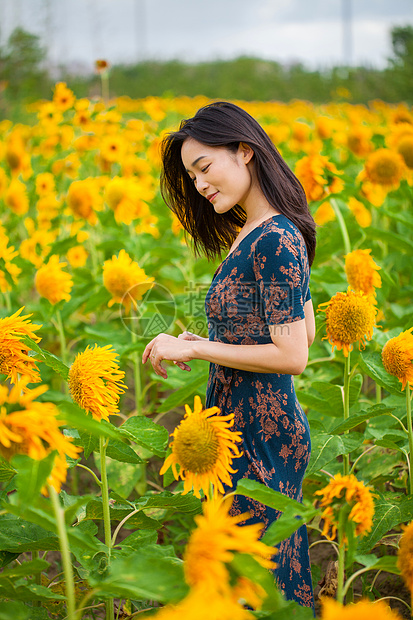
point(211, 197)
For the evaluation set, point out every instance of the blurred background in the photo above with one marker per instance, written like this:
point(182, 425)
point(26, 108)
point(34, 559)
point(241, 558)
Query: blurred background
point(320, 50)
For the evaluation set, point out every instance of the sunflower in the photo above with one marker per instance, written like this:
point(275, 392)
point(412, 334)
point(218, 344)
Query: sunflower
point(405, 556)
point(361, 272)
point(385, 167)
point(16, 197)
point(14, 354)
point(324, 214)
point(77, 256)
point(350, 318)
point(83, 199)
point(63, 97)
point(342, 490)
point(95, 381)
point(12, 271)
point(4, 181)
point(212, 545)
point(318, 176)
point(17, 157)
point(32, 428)
point(397, 357)
point(124, 196)
point(52, 282)
point(359, 141)
point(203, 447)
point(125, 280)
point(362, 215)
point(101, 65)
point(363, 610)
point(203, 605)
point(45, 183)
point(112, 148)
point(405, 148)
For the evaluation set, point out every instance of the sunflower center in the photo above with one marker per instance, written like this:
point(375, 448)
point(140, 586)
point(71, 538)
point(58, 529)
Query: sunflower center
point(394, 359)
point(196, 445)
point(350, 320)
point(75, 387)
point(406, 150)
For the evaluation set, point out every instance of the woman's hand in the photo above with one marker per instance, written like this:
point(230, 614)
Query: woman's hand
point(165, 347)
point(190, 336)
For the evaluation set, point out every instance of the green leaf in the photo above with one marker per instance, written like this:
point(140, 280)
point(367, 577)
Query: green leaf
point(6, 557)
point(287, 524)
point(61, 246)
point(326, 447)
point(17, 536)
point(246, 566)
point(32, 592)
point(95, 301)
point(48, 358)
point(77, 417)
point(122, 477)
point(263, 494)
point(188, 504)
point(372, 365)
point(21, 570)
point(144, 574)
point(14, 610)
point(387, 563)
point(398, 242)
point(94, 510)
point(31, 475)
point(6, 471)
point(146, 433)
point(182, 395)
point(89, 442)
point(122, 452)
point(42, 514)
point(389, 510)
point(359, 418)
point(138, 539)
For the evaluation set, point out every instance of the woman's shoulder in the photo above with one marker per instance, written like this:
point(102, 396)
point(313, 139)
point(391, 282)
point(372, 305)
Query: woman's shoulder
point(280, 232)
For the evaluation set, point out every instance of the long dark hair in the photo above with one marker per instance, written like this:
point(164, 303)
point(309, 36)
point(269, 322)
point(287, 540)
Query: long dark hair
point(225, 124)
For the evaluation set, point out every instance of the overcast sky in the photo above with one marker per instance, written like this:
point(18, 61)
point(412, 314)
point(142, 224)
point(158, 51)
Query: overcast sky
point(308, 31)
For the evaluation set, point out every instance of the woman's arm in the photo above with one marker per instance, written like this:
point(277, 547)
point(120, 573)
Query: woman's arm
point(309, 321)
point(287, 354)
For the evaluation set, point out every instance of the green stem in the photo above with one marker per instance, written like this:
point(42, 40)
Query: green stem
point(342, 224)
point(65, 552)
point(136, 366)
point(104, 77)
point(98, 482)
point(410, 434)
point(103, 444)
point(346, 407)
point(63, 347)
point(6, 295)
point(378, 394)
point(62, 337)
point(340, 575)
point(38, 576)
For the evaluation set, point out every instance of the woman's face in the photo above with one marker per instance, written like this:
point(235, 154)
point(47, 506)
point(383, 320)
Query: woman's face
point(222, 176)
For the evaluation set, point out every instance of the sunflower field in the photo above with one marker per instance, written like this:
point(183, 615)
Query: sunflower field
point(112, 479)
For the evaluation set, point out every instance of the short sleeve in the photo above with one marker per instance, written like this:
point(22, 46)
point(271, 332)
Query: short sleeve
point(282, 276)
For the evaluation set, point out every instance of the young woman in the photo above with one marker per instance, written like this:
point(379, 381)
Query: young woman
point(233, 192)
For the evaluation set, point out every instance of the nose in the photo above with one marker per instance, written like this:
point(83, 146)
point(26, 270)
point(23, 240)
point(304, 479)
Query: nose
point(201, 185)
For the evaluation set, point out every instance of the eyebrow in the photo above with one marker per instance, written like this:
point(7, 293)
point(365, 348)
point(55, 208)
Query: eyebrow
point(194, 163)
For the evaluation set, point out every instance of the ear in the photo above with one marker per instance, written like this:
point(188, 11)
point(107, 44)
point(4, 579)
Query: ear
point(246, 152)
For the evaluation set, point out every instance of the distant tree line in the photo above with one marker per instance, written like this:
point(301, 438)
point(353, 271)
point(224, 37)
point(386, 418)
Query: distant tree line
point(23, 77)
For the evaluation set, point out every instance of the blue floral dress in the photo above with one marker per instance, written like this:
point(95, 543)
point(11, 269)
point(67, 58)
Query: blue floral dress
point(265, 281)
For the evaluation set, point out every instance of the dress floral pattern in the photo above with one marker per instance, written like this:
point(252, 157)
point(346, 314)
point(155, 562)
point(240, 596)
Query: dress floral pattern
point(265, 281)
